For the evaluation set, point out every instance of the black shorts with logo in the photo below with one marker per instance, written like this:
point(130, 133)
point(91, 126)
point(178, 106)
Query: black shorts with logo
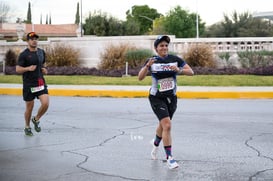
point(163, 106)
point(29, 96)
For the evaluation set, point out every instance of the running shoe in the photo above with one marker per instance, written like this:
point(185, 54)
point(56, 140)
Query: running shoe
point(36, 124)
point(154, 151)
point(28, 132)
point(172, 164)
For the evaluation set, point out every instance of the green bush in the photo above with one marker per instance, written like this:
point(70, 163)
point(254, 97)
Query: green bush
point(137, 58)
point(62, 55)
point(225, 55)
point(256, 59)
point(200, 55)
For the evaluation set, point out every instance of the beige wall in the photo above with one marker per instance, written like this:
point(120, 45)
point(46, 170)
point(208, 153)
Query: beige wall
point(91, 47)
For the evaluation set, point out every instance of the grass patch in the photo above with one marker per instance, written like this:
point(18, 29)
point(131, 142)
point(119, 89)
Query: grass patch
point(197, 80)
point(226, 80)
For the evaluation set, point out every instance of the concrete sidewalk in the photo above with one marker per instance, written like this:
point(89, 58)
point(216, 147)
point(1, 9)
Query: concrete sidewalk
point(191, 92)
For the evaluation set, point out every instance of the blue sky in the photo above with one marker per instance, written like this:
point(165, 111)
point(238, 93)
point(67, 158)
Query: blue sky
point(63, 11)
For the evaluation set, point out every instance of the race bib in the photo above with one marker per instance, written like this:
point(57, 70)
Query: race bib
point(37, 89)
point(165, 84)
point(162, 67)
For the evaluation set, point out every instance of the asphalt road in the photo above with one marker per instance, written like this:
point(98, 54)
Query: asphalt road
point(108, 139)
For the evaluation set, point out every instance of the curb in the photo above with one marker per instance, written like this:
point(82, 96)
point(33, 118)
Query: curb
point(140, 93)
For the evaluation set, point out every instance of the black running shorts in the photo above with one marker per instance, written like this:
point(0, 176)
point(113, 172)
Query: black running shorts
point(29, 96)
point(163, 106)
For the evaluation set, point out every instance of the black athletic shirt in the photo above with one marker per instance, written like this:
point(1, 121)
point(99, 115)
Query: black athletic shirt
point(27, 58)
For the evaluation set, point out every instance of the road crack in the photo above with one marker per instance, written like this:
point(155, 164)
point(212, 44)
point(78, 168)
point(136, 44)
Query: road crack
point(86, 157)
point(259, 154)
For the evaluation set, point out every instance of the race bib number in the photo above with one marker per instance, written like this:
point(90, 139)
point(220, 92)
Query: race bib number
point(165, 84)
point(37, 89)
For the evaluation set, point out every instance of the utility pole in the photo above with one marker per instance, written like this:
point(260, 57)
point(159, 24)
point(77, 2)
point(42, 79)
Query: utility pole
point(197, 21)
point(81, 18)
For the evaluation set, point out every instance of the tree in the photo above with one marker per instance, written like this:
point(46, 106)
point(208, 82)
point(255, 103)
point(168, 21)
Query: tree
point(244, 25)
point(41, 19)
point(182, 24)
point(50, 18)
point(28, 21)
point(259, 28)
point(215, 30)
point(240, 25)
point(95, 24)
point(101, 24)
point(4, 11)
point(158, 26)
point(143, 16)
point(131, 28)
point(114, 26)
point(46, 18)
point(77, 17)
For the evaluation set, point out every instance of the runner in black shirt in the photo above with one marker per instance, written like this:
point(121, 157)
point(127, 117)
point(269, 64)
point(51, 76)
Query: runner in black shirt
point(31, 65)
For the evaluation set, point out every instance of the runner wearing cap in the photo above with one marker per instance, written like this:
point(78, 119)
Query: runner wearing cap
point(162, 95)
point(31, 65)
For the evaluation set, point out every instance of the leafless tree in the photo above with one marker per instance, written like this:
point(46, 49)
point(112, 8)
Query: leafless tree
point(4, 12)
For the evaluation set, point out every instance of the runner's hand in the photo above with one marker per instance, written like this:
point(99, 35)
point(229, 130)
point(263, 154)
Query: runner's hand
point(32, 68)
point(174, 68)
point(150, 62)
point(44, 70)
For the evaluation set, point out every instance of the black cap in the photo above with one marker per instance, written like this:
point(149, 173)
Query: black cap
point(160, 39)
point(31, 35)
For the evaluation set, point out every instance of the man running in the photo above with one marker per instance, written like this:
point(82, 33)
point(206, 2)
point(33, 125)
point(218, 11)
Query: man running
point(31, 65)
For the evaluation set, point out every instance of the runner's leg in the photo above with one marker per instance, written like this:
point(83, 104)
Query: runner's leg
point(166, 135)
point(28, 112)
point(44, 100)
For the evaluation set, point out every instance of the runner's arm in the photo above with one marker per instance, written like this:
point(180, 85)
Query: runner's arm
point(144, 70)
point(186, 70)
point(182, 68)
point(20, 69)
